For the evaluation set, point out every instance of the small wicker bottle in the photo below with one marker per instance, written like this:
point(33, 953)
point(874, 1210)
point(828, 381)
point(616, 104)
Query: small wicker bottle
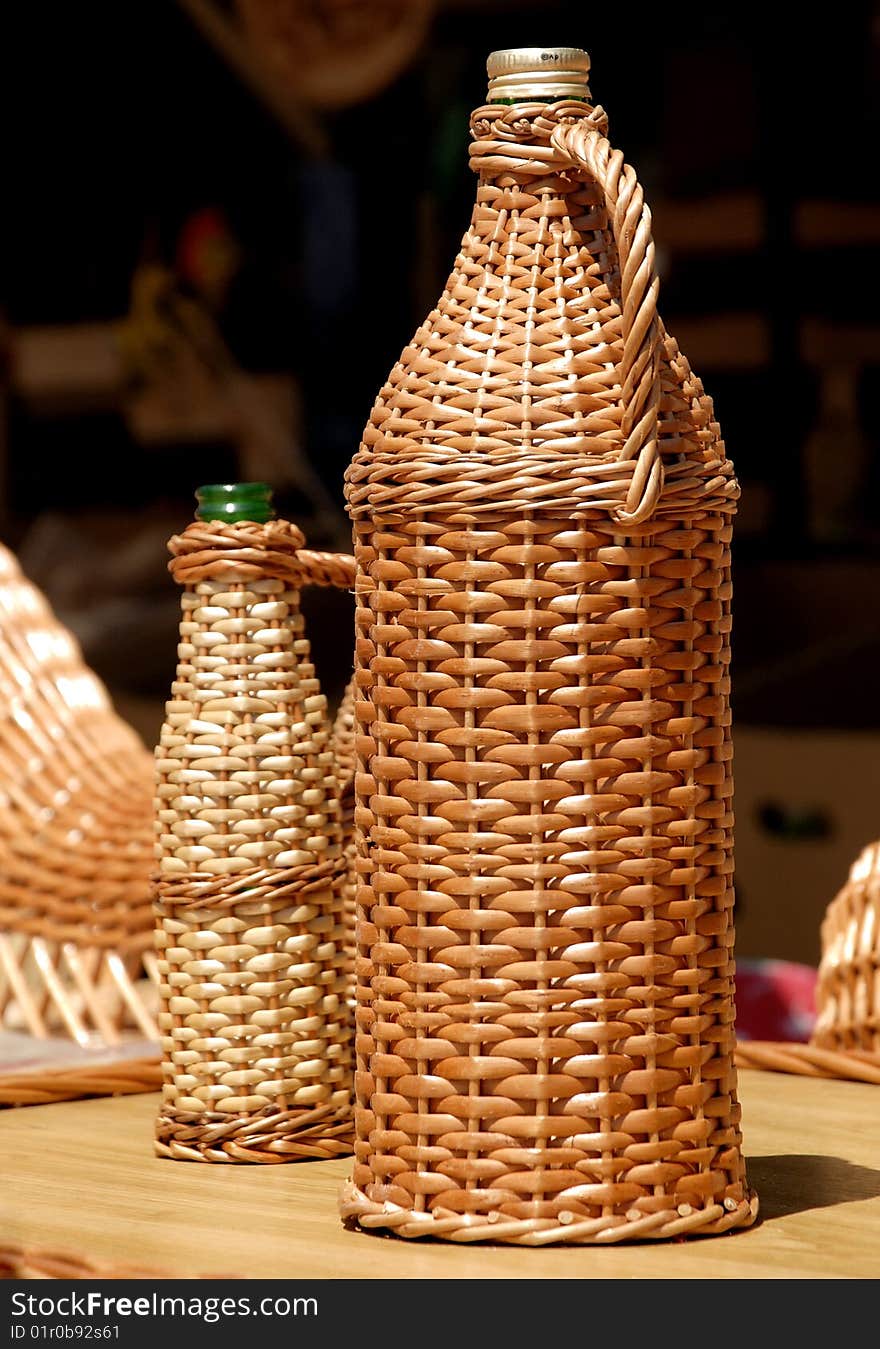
point(250, 897)
point(542, 508)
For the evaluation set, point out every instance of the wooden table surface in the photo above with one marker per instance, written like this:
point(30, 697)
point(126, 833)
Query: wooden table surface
point(80, 1178)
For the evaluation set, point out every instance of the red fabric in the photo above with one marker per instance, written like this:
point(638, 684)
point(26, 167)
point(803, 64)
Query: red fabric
point(775, 1000)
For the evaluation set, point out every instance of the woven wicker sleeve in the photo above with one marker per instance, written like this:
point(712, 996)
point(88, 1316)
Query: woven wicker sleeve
point(250, 892)
point(542, 508)
point(75, 859)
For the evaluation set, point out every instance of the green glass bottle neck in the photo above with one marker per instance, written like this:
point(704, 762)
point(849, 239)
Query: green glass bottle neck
point(232, 502)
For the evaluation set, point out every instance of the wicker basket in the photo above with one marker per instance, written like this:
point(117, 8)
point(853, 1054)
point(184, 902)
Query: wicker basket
point(75, 859)
point(251, 892)
point(848, 995)
point(846, 1037)
point(542, 507)
point(331, 54)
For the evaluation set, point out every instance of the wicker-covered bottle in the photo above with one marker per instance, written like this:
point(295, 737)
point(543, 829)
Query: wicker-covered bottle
point(542, 507)
point(250, 897)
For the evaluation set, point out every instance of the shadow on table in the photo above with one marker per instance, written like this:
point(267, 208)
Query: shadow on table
point(796, 1182)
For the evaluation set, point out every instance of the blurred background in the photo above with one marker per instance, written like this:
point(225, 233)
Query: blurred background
point(224, 219)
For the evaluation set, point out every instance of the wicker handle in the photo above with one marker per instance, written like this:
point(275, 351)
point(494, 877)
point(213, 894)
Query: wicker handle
point(630, 219)
point(326, 569)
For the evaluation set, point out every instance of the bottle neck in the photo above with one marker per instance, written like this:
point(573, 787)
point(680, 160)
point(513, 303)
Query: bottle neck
point(539, 86)
point(544, 98)
point(233, 502)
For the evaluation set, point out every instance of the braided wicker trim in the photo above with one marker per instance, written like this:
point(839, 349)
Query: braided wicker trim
point(808, 1060)
point(510, 124)
point(270, 1136)
point(685, 1221)
point(214, 551)
point(46, 1086)
point(327, 569)
point(465, 486)
point(274, 888)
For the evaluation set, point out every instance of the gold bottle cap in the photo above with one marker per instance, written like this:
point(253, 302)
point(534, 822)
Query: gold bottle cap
point(528, 73)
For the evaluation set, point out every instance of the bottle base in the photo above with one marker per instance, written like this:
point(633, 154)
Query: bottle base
point(271, 1136)
point(682, 1221)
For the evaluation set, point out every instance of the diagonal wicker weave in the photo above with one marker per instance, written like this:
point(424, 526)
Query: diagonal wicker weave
point(542, 507)
point(75, 858)
point(251, 891)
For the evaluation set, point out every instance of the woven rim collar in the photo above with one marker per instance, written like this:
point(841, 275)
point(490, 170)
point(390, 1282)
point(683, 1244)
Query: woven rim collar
point(517, 139)
point(250, 887)
point(685, 1221)
point(243, 552)
point(475, 486)
point(214, 551)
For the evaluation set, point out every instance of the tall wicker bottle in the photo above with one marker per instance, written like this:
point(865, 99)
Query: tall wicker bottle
point(542, 508)
point(250, 892)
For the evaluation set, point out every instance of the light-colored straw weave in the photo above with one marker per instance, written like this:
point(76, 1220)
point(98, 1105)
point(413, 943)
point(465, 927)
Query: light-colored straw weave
point(250, 893)
point(542, 506)
point(75, 852)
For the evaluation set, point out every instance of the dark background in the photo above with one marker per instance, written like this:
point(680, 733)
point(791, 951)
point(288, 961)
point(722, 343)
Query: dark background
point(305, 242)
